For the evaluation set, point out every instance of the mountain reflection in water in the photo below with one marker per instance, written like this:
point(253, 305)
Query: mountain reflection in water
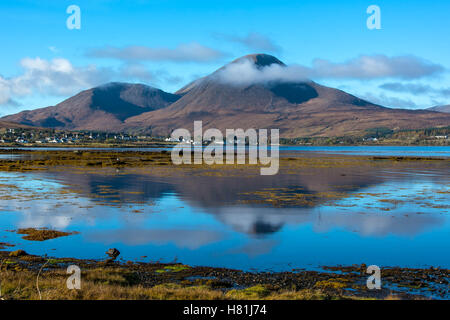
point(386, 215)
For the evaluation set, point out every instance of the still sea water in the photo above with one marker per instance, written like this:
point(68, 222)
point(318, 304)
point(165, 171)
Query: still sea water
point(388, 215)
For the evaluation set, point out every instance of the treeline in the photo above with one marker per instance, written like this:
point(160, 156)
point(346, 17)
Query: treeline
point(421, 133)
point(380, 136)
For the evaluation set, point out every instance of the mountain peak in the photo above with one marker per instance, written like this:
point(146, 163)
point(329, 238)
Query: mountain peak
point(122, 86)
point(104, 107)
point(260, 59)
point(234, 96)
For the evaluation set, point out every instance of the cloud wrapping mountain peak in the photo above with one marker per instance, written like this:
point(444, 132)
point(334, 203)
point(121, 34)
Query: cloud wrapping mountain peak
point(258, 69)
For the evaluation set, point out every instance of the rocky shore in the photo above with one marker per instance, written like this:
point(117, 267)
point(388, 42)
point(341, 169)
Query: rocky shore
point(117, 279)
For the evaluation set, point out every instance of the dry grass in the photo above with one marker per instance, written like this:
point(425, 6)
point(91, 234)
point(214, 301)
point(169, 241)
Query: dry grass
point(96, 285)
point(115, 284)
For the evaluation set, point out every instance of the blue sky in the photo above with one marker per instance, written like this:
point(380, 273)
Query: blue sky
point(168, 43)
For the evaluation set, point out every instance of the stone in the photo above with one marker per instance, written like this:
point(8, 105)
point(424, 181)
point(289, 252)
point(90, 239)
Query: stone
point(18, 253)
point(113, 253)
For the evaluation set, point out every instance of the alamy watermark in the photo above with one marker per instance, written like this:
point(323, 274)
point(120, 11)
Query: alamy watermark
point(210, 147)
point(374, 20)
point(74, 281)
point(74, 20)
point(374, 281)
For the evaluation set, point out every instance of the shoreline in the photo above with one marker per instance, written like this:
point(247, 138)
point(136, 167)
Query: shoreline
point(154, 280)
point(163, 144)
point(110, 279)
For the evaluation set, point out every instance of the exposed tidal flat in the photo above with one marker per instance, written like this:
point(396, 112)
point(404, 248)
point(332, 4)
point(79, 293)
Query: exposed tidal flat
point(324, 208)
point(26, 276)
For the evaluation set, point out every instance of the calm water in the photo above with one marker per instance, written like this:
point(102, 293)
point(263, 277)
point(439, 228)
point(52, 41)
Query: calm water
point(376, 151)
point(388, 215)
point(350, 150)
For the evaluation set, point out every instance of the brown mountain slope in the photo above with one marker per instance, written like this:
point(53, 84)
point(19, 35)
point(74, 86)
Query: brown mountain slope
point(297, 108)
point(445, 109)
point(255, 91)
point(12, 125)
point(100, 108)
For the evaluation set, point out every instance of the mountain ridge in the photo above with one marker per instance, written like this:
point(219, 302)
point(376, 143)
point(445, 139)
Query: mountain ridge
point(103, 107)
point(445, 108)
point(249, 92)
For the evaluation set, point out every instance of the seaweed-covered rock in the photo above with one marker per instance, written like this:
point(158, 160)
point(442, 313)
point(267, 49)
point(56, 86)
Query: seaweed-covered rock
point(113, 253)
point(18, 253)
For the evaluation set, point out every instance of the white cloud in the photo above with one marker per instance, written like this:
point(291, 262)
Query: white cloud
point(244, 71)
point(416, 88)
point(58, 77)
point(5, 91)
point(375, 67)
point(253, 40)
point(190, 52)
point(53, 77)
point(136, 71)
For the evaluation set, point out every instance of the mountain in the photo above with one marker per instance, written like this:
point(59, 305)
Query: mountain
point(12, 125)
point(445, 109)
point(297, 108)
point(101, 108)
point(254, 91)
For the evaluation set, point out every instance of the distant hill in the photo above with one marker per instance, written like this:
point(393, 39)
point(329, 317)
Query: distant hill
point(445, 109)
point(101, 108)
point(296, 107)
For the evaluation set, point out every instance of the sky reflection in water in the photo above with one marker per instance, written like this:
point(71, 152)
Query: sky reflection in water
point(202, 220)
